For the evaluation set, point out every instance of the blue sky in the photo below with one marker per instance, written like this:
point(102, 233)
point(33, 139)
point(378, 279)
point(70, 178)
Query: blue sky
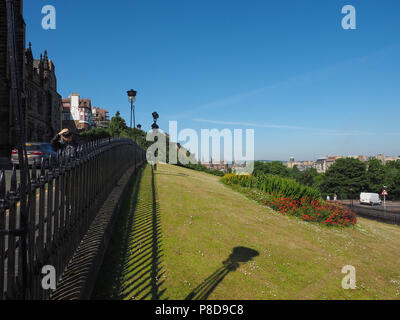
point(285, 68)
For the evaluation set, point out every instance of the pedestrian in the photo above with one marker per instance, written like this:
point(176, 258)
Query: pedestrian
point(64, 141)
point(335, 197)
point(328, 198)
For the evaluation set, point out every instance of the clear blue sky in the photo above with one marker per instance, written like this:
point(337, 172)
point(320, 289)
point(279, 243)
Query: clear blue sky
point(285, 68)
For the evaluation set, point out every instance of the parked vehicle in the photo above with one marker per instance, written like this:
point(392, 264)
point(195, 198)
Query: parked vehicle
point(35, 151)
point(370, 198)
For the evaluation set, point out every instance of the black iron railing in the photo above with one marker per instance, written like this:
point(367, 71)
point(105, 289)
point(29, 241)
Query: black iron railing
point(64, 199)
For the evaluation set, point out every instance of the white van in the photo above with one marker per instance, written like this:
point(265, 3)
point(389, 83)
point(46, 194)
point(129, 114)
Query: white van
point(370, 198)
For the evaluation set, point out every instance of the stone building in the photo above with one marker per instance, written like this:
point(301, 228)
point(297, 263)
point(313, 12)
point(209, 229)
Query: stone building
point(7, 130)
point(212, 165)
point(40, 100)
point(100, 117)
point(77, 113)
point(320, 165)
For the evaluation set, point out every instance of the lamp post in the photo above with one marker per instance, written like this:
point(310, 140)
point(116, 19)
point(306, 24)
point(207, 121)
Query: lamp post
point(155, 118)
point(132, 98)
point(154, 127)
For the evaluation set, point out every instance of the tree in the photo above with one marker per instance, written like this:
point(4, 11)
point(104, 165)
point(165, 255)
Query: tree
point(295, 173)
point(307, 176)
point(117, 125)
point(343, 176)
point(392, 179)
point(394, 164)
point(375, 175)
point(95, 134)
point(317, 181)
point(275, 168)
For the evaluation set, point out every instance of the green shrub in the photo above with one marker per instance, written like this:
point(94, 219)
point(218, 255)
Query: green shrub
point(269, 183)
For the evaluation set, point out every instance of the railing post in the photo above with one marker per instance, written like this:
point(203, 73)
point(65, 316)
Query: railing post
point(56, 229)
point(3, 206)
point(42, 204)
point(33, 280)
point(12, 222)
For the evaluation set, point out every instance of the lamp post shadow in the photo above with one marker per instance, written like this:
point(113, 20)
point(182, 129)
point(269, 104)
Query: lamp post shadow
point(239, 256)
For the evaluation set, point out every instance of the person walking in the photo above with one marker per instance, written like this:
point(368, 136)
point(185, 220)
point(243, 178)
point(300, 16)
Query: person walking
point(328, 198)
point(64, 141)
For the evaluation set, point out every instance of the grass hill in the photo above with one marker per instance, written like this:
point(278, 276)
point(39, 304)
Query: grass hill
point(209, 242)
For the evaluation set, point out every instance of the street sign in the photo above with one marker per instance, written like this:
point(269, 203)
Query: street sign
point(384, 193)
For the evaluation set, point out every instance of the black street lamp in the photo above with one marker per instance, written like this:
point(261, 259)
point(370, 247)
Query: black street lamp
point(155, 118)
point(155, 126)
point(132, 98)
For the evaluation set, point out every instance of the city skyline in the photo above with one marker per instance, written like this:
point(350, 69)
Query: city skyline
point(366, 156)
point(306, 86)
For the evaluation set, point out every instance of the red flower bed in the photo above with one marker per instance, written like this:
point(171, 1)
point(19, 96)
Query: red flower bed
point(328, 213)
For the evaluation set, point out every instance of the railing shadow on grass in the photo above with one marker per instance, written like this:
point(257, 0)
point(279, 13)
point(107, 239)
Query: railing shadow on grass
point(239, 255)
point(136, 269)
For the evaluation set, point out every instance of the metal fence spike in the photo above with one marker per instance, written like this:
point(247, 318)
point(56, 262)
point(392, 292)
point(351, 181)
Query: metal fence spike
point(57, 158)
point(34, 172)
point(13, 187)
point(52, 161)
point(3, 184)
point(42, 168)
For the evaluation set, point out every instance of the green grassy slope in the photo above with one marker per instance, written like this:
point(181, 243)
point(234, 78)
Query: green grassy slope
point(187, 236)
point(202, 221)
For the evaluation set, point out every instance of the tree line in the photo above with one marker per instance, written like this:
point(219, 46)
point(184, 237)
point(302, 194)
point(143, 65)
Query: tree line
point(346, 178)
point(117, 128)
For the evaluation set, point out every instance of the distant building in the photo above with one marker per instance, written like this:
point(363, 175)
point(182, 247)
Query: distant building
point(300, 165)
point(221, 165)
point(320, 165)
point(100, 117)
point(380, 157)
point(291, 162)
point(388, 159)
point(77, 113)
point(329, 162)
point(324, 163)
